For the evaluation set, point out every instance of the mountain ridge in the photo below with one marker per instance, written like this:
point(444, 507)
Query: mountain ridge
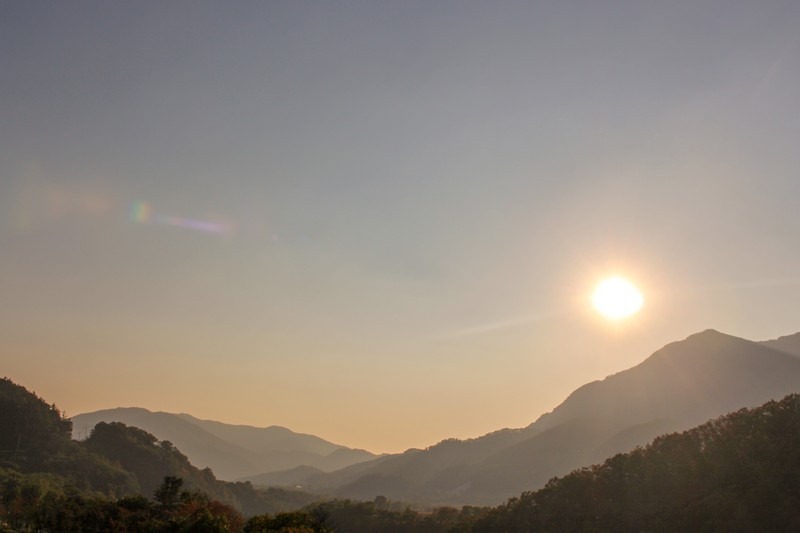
point(231, 451)
point(682, 384)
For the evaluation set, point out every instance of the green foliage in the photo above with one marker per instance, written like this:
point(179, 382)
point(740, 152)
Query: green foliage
point(189, 512)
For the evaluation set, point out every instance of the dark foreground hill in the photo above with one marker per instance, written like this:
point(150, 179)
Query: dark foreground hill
point(35, 440)
point(40, 463)
point(740, 472)
point(231, 451)
point(683, 384)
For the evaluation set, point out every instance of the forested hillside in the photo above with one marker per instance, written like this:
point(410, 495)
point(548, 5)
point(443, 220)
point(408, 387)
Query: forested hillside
point(35, 442)
point(44, 474)
point(739, 472)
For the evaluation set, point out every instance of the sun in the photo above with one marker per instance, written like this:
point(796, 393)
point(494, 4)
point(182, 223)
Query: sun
point(616, 298)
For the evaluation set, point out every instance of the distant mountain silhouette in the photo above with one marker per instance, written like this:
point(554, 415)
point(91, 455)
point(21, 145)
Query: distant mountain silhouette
point(681, 385)
point(789, 344)
point(231, 451)
point(284, 478)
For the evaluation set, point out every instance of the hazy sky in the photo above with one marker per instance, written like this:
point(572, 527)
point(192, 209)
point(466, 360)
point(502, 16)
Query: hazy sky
point(381, 222)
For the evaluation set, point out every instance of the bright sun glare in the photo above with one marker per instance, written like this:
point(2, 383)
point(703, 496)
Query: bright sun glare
point(616, 298)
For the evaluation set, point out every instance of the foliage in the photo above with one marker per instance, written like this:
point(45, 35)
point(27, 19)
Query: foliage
point(740, 472)
point(42, 469)
point(35, 438)
point(150, 461)
point(185, 511)
point(140, 453)
point(377, 516)
point(29, 427)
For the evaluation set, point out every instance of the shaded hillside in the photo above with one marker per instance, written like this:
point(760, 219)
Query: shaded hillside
point(788, 343)
point(295, 448)
point(231, 451)
point(679, 386)
point(38, 458)
point(150, 461)
point(284, 478)
point(204, 449)
point(705, 375)
point(424, 464)
point(35, 442)
point(266, 438)
point(740, 472)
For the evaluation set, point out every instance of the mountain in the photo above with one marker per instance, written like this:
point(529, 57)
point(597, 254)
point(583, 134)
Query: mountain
point(150, 461)
point(789, 344)
point(50, 482)
point(706, 375)
point(284, 478)
point(679, 386)
point(738, 472)
point(231, 451)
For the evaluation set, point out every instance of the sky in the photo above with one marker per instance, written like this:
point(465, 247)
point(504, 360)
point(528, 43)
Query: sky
point(381, 222)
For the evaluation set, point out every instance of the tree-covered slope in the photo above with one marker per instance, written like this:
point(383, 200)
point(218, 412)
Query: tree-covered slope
point(35, 441)
point(150, 461)
point(740, 472)
point(226, 459)
point(39, 460)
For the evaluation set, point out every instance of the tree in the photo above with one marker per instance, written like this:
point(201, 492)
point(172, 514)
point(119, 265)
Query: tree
point(169, 493)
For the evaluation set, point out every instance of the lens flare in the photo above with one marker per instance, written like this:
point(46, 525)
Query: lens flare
point(142, 213)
